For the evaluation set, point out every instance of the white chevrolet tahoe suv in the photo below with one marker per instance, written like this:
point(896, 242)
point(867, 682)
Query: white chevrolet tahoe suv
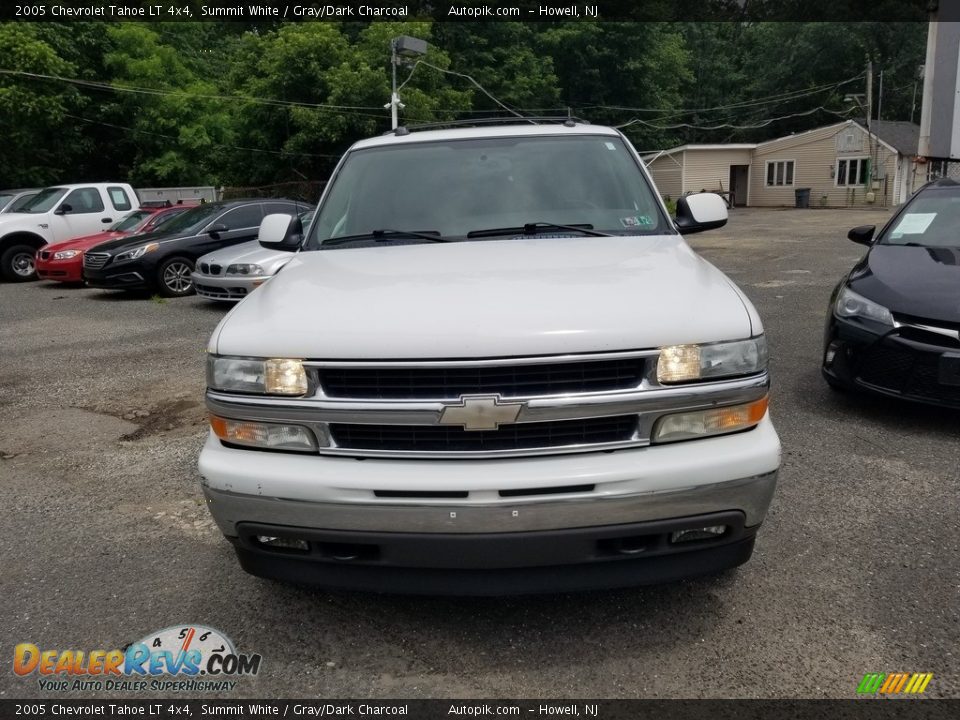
point(55, 215)
point(494, 366)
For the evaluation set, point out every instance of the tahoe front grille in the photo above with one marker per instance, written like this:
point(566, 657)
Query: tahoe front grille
point(95, 261)
point(527, 380)
point(518, 436)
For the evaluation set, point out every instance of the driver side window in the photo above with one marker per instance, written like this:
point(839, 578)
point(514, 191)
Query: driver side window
point(241, 218)
point(84, 200)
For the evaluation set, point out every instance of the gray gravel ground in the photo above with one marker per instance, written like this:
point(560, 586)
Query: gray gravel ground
point(105, 536)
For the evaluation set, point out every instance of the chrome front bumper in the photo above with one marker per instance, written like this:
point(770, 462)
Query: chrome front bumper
point(751, 495)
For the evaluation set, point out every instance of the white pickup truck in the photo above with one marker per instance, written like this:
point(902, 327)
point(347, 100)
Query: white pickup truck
point(57, 214)
point(493, 366)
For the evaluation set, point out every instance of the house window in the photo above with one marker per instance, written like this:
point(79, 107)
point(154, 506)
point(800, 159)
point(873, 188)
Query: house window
point(852, 171)
point(779, 172)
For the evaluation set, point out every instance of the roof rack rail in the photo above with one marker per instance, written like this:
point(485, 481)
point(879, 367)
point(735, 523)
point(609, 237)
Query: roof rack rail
point(512, 120)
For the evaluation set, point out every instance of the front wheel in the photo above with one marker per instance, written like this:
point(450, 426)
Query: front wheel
point(174, 277)
point(17, 263)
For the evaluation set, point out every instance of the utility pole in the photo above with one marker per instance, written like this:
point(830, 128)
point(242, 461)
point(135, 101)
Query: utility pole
point(880, 98)
point(876, 145)
point(402, 49)
point(394, 97)
point(870, 142)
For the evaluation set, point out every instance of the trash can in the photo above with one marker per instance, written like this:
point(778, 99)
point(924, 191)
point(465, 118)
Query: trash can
point(802, 197)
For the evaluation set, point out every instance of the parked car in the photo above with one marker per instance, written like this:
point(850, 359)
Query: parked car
point(63, 262)
point(231, 274)
point(55, 215)
point(163, 261)
point(893, 325)
point(12, 200)
point(550, 388)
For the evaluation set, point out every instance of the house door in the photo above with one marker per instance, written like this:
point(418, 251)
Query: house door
point(739, 180)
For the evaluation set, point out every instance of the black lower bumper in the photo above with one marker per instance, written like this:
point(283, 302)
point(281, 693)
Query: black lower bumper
point(131, 280)
point(901, 363)
point(497, 563)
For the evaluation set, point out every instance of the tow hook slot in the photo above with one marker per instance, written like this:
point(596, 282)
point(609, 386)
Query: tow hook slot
point(348, 552)
point(631, 545)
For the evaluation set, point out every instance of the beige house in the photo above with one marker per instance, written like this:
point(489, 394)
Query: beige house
point(833, 162)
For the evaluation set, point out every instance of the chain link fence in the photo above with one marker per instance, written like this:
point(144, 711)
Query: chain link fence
point(304, 190)
point(937, 169)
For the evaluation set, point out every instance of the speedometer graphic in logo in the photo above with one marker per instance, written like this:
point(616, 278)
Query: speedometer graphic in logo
point(189, 649)
point(184, 638)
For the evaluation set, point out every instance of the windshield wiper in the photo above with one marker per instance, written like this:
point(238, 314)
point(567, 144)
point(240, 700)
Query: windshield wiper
point(535, 227)
point(386, 235)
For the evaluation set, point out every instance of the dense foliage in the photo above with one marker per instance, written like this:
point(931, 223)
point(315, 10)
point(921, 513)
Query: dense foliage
point(248, 105)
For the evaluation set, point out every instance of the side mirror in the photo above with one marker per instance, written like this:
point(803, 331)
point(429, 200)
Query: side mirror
point(281, 232)
point(862, 234)
point(215, 230)
point(699, 212)
point(63, 209)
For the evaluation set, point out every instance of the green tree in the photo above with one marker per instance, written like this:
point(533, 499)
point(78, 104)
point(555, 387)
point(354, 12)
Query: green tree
point(39, 135)
point(331, 90)
point(615, 72)
point(179, 132)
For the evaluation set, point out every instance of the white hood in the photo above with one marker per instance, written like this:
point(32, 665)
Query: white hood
point(491, 298)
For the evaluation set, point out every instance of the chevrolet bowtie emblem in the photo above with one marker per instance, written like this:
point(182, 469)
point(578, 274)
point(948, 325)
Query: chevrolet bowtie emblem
point(480, 412)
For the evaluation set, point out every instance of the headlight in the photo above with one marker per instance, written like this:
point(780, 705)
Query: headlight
point(66, 254)
point(683, 363)
point(849, 304)
point(244, 269)
point(275, 376)
point(136, 252)
point(272, 436)
point(704, 423)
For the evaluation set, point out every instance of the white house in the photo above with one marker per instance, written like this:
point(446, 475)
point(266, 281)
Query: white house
point(842, 165)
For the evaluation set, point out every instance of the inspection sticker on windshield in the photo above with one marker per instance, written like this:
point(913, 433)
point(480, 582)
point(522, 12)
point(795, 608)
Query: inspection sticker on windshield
point(914, 224)
point(636, 221)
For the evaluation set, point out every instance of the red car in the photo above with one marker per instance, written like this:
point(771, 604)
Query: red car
point(63, 262)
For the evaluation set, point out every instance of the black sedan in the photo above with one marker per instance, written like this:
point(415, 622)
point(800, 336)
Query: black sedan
point(162, 262)
point(894, 322)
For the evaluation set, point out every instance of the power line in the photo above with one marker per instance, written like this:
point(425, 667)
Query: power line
point(351, 109)
point(174, 137)
point(480, 87)
point(725, 126)
point(772, 99)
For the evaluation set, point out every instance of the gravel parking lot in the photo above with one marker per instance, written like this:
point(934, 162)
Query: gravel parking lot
point(855, 571)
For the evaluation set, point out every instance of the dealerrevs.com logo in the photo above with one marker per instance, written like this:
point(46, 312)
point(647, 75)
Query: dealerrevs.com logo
point(180, 658)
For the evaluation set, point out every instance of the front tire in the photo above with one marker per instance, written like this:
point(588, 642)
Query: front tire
point(174, 277)
point(17, 263)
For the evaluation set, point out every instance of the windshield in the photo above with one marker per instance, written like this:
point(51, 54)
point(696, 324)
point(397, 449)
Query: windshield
point(193, 217)
point(931, 220)
point(462, 186)
point(43, 201)
point(4, 199)
point(160, 220)
point(17, 205)
point(131, 221)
